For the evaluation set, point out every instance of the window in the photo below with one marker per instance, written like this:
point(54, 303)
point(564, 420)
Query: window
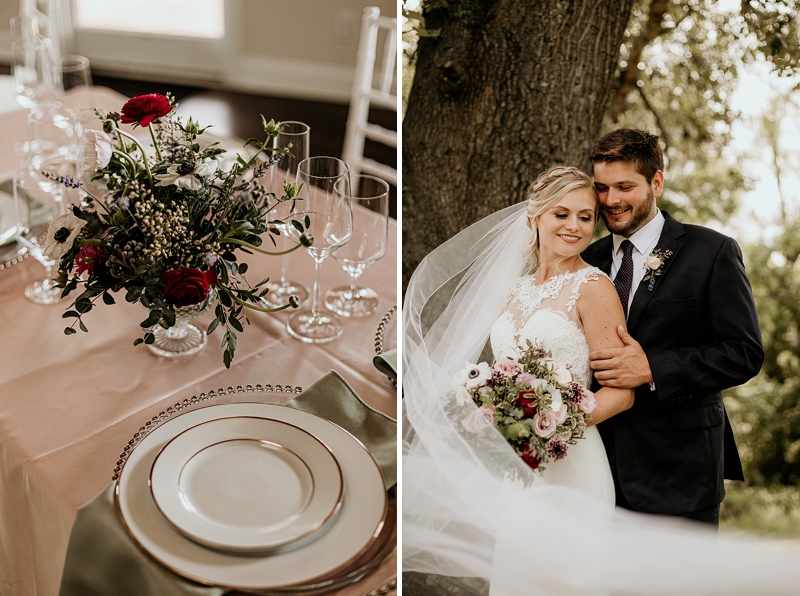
point(182, 18)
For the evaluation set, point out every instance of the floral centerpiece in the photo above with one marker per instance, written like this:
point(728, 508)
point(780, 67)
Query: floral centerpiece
point(167, 228)
point(535, 403)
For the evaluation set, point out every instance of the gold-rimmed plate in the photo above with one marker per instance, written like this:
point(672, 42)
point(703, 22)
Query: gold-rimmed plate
point(247, 484)
point(11, 221)
point(355, 528)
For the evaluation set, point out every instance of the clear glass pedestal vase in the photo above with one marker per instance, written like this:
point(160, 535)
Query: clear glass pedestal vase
point(183, 338)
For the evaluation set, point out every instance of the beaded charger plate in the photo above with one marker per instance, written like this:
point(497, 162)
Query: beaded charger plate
point(341, 554)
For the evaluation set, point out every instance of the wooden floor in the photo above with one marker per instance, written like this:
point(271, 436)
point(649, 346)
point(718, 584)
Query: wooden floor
point(239, 114)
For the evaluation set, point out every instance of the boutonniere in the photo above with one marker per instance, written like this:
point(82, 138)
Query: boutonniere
point(654, 265)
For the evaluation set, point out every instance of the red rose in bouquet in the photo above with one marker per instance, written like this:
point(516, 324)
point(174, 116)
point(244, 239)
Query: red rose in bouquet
point(528, 404)
point(187, 286)
point(530, 459)
point(145, 108)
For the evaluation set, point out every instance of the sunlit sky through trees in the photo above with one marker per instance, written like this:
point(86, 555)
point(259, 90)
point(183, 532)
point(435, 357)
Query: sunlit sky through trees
point(764, 104)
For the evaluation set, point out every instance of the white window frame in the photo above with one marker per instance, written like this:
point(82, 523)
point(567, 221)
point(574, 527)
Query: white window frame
point(189, 60)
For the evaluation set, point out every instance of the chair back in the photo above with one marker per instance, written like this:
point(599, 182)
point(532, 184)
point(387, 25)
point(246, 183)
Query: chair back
point(372, 87)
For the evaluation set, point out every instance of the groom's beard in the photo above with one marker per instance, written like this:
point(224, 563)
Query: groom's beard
point(638, 217)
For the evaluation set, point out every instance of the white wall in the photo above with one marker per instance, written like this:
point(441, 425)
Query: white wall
point(295, 48)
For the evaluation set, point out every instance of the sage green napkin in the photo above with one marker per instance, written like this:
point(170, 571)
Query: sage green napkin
point(102, 558)
point(387, 363)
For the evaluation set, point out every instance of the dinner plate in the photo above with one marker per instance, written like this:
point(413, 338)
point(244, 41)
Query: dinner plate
point(383, 546)
point(355, 528)
point(10, 220)
point(247, 484)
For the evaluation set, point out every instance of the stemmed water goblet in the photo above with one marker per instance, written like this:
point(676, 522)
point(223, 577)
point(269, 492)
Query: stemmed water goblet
point(53, 148)
point(296, 136)
point(370, 200)
point(41, 207)
point(324, 199)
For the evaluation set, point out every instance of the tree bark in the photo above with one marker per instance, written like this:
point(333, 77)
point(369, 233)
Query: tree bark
point(509, 88)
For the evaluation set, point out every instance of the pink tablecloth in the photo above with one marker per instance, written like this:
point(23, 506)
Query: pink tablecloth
point(68, 404)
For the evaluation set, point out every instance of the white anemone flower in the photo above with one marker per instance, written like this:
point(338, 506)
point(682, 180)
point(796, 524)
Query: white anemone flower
point(99, 147)
point(61, 235)
point(473, 375)
point(187, 175)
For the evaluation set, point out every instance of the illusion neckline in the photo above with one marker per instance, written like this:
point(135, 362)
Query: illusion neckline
point(555, 277)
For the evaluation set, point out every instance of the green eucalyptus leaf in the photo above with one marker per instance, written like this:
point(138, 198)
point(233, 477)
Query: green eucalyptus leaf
point(225, 299)
point(212, 326)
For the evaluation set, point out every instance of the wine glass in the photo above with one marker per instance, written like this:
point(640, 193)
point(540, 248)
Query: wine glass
point(295, 136)
point(42, 208)
point(370, 199)
point(32, 63)
point(76, 77)
point(324, 198)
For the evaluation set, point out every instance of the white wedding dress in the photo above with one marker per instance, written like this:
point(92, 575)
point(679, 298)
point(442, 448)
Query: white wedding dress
point(546, 314)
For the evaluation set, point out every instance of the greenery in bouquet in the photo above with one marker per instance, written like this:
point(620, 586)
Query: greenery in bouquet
point(535, 403)
point(167, 228)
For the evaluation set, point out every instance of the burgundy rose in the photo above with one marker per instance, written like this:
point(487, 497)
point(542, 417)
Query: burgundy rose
point(88, 257)
point(187, 286)
point(527, 404)
point(145, 108)
point(529, 458)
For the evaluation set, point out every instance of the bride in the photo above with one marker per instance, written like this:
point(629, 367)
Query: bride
point(512, 276)
point(570, 309)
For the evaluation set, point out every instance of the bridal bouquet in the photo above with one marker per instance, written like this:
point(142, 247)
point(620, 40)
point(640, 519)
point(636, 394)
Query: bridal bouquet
point(165, 225)
point(534, 402)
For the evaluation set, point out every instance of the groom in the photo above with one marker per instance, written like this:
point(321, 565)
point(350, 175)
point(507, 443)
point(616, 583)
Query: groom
point(690, 309)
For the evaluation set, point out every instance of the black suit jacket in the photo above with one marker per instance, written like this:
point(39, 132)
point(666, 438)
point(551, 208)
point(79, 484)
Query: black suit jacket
point(699, 329)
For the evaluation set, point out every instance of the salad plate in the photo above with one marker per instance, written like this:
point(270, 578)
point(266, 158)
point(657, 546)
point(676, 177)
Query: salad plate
point(247, 484)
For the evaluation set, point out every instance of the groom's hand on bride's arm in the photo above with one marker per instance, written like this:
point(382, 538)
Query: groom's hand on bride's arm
point(626, 367)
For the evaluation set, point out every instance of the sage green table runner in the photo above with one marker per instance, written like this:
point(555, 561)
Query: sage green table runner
point(387, 363)
point(103, 560)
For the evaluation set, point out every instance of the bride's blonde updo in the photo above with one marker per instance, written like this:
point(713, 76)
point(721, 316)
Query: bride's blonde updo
point(544, 193)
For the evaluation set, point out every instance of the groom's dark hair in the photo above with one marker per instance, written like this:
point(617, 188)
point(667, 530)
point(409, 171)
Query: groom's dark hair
point(638, 147)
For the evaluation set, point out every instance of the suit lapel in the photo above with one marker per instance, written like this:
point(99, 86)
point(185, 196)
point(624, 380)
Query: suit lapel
point(604, 254)
point(669, 240)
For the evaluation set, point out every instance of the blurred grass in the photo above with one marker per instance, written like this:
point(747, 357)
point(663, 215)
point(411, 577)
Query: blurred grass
point(773, 510)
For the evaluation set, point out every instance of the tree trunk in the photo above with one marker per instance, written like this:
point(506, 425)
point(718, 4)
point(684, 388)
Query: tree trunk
point(509, 88)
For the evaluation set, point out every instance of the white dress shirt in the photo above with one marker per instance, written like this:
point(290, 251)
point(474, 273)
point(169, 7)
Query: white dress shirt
point(644, 241)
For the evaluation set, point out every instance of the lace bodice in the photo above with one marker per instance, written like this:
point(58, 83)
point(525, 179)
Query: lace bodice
point(546, 314)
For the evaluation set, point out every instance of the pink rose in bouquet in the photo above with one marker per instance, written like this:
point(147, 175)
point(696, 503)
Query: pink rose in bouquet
point(479, 419)
point(506, 367)
point(545, 424)
point(588, 402)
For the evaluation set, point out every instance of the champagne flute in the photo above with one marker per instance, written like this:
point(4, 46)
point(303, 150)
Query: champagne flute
point(370, 199)
point(324, 198)
point(295, 136)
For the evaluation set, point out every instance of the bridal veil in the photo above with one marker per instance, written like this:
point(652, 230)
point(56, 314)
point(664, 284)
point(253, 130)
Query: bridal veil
point(475, 509)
